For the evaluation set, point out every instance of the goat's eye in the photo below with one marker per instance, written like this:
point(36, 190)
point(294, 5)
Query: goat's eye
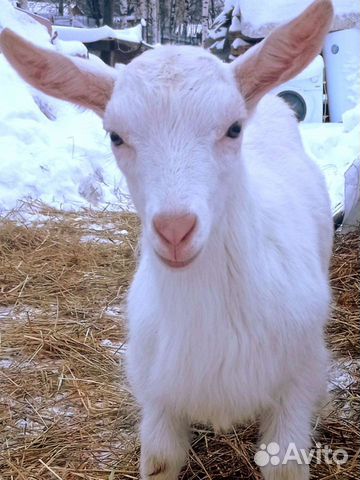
point(234, 131)
point(116, 139)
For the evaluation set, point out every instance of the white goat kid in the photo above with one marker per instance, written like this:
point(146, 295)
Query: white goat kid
point(229, 302)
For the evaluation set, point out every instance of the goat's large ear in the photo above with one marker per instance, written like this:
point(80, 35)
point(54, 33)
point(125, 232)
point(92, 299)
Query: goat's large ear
point(284, 53)
point(76, 80)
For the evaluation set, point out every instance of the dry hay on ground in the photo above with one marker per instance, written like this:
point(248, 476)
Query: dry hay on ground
point(65, 409)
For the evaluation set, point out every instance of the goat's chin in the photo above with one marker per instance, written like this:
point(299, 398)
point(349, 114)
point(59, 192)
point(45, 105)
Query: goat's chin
point(177, 264)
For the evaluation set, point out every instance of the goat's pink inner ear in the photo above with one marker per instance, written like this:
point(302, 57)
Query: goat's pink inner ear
point(75, 80)
point(284, 53)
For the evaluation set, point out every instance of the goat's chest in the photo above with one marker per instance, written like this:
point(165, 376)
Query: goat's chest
point(213, 368)
point(217, 355)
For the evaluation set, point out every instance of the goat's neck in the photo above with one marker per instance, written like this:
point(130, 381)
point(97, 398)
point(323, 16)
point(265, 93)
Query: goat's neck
point(239, 229)
point(219, 282)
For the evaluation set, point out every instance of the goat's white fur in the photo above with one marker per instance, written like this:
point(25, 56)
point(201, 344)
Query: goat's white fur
point(239, 333)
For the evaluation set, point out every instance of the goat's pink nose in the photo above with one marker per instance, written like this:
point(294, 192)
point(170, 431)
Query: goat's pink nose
point(175, 229)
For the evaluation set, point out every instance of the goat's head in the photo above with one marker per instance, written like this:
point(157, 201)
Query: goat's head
point(174, 116)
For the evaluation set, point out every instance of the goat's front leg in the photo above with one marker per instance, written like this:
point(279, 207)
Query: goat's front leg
point(164, 444)
point(286, 429)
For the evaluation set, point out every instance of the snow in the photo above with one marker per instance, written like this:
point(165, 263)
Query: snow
point(219, 45)
point(239, 42)
point(278, 11)
point(342, 374)
point(235, 24)
point(262, 16)
point(54, 161)
point(335, 148)
point(86, 35)
point(114, 347)
point(23, 24)
point(6, 363)
point(59, 154)
point(43, 153)
point(70, 47)
point(46, 8)
point(5, 312)
point(115, 236)
point(218, 33)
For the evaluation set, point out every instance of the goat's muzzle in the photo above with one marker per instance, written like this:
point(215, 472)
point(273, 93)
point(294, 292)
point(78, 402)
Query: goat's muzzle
point(175, 233)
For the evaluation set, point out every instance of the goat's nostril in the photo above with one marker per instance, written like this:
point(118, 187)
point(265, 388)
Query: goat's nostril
point(176, 228)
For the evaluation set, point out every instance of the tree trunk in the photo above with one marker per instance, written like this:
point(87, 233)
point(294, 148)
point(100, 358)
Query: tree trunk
point(61, 7)
point(23, 4)
point(172, 19)
point(94, 8)
point(108, 13)
point(212, 11)
point(163, 16)
point(204, 21)
point(186, 18)
point(143, 9)
point(155, 21)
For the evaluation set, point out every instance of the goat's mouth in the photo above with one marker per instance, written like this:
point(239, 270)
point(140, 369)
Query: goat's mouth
point(177, 263)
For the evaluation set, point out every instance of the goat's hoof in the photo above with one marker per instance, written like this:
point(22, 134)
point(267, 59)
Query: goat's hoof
point(156, 469)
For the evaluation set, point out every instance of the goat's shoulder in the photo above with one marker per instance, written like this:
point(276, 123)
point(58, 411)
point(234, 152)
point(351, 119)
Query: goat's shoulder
point(273, 147)
point(285, 182)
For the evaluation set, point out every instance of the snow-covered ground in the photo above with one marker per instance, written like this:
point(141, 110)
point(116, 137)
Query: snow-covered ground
point(50, 150)
point(335, 147)
point(59, 154)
